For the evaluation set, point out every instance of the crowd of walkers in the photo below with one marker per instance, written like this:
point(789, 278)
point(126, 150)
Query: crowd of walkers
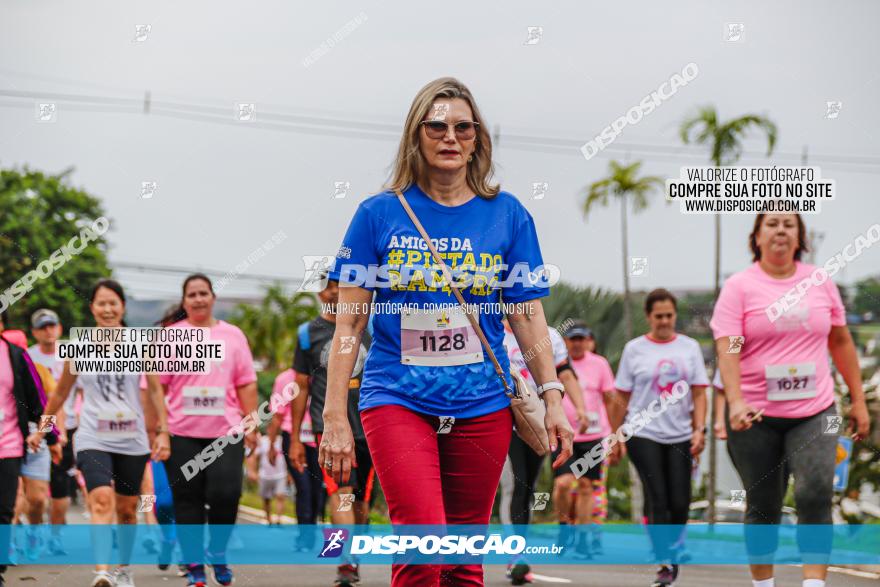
point(412, 400)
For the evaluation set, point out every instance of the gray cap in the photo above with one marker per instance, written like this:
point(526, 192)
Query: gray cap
point(579, 328)
point(44, 317)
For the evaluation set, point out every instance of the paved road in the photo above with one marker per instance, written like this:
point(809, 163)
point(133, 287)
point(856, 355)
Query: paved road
point(375, 576)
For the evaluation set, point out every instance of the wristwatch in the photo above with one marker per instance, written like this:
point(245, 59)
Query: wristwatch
point(551, 385)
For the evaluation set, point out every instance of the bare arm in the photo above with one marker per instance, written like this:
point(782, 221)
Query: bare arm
point(609, 398)
point(297, 413)
point(620, 406)
point(156, 403)
point(298, 406)
point(843, 353)
point(718, 402)
point(247, 397)
point(62, 390)
point(573, 390)
point(54, 403)
point(698, 438)
point(741, 413)
point(341, 365)
point(728, 364)
point(699, 414)
point(337, 444)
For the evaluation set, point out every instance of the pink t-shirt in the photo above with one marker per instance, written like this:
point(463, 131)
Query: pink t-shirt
point(206, 405)
point(11, 441)
point(284, 379)
point(595, 378)
point(784, 367)
point(306, 435)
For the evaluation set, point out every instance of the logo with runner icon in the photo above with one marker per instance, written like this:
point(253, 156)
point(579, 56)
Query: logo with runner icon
point(832, 424)
point(735, 344)
point(316, 268)
point(346, 500)
point(46, 423)
point(443, 319)
point(146, 503)
point(737, 496)
point(541, 501)
point(334, 542)
point(446, 423)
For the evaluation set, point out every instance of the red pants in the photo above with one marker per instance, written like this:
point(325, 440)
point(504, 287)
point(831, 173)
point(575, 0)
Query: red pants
point(431, 478)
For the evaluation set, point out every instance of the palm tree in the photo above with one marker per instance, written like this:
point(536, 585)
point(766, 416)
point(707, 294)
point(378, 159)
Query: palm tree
point(725, 143)
point(623, 184)
point(601, 309)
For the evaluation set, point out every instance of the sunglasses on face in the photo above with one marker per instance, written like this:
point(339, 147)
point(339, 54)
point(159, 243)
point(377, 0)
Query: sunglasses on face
point(437, 129)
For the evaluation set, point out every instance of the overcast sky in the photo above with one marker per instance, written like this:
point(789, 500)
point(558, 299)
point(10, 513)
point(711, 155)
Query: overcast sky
point(224, 186)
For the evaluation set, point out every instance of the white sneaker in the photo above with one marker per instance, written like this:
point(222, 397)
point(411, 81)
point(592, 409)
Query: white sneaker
point(102, 579)
point(124, 576)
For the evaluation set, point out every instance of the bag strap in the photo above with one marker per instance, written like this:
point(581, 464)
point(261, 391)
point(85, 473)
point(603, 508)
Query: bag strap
point(475, 322)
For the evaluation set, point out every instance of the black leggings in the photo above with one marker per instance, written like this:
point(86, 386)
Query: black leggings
point(665, 471)
point(9, 471)
point(218, 485)
point(518, 482)
point(765, 456)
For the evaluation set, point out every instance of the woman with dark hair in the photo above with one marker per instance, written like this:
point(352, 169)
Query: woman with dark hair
point(427, 361)
point(661, 382)
point(789, 319)
point(202, 408)
point(111, 439)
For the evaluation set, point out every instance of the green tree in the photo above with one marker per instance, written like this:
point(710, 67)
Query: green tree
point(271, 326)
point(867, 298)
point(725, 148)
point(40, 213)
point(623, 184)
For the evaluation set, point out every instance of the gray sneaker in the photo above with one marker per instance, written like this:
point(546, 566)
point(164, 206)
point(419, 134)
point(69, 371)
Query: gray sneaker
point(102, 579)
point(123, 577)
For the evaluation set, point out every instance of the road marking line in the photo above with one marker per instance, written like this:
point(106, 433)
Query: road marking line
point(260, 516)
point(547, 579)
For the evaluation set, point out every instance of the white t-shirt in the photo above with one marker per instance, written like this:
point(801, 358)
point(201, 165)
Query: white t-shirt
point(55, 367)
point(269, 471)
point(649, 370)
point(112, 417)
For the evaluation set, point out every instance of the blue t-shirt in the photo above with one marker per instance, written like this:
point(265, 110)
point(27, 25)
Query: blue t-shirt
point(490, 244)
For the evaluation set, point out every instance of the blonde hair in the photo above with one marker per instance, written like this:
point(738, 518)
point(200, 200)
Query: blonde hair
point(409, 166)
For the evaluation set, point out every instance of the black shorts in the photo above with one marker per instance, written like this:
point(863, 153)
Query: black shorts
point(104, 469)
point(60, 474)
point(361, 477)
point(579, 449)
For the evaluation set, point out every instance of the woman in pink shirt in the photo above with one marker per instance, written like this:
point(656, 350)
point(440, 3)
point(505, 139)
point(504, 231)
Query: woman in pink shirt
point(21, 402)
point(205, 413)
point(779, 386)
